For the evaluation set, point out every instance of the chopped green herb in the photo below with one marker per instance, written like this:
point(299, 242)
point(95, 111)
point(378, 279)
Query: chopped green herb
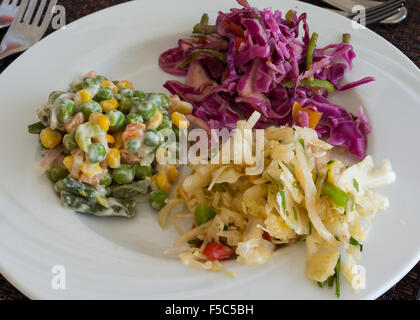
point(277, 182)
point(310, 228)
point(225, 228)
point(195, 241)
point(296, 184)
point(330, 162)
point(331, 280)
point(295, 213)
point(354, 242)
point(337, 277)
point(356, 184)
point(336, 195)
point(302, 142)
point(322, 284)
point(283, 199)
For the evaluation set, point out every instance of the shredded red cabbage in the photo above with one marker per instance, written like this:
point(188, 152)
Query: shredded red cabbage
point(253, 60)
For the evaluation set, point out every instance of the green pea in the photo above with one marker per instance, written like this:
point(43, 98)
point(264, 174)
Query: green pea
point(132, 145)
point(96, 153)
point(89, 107)
point(157, 199)
point(106, 181)
point(90, 83)
point(44, 116)
point(146, 109)
point(104, 93)
point(66, 109)
point(123, 174)
point(166, 123)
point(116, 119)
point(57, 173)
point(101, 79)
point(159, 99)
point(203, 213)
point(69, 143)
point(36, 127)
point(125, 92)
point(54, 95)
point(151, 138)
point(142, 171)
point(138, 94)
point(134, 118)
point(125, 105)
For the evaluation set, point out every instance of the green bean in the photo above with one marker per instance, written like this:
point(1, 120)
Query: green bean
point(142, 172)
point(116, 120)
point(157, 199)
point(132, 145)
point(104, 93)
point(89, 107)
point(90, 83)
point(131, 190)
point(69, 143)
point(289, 15)
point(36, 127)
point(54, 95)
point(57, 173)
point(203, 213)
point(337, 277)
point(310, 51)
point(134, 118)
point(82, 190)
point(311, 83)
point(203, 27)
point(96, 153)
point(120, 208)
point(194, 54)
point(123, 174)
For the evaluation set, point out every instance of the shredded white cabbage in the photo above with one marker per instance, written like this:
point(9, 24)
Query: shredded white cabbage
point(256, 214)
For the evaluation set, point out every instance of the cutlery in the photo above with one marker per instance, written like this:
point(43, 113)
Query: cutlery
point(347, 5)
point(8, 11)
point(28, 27)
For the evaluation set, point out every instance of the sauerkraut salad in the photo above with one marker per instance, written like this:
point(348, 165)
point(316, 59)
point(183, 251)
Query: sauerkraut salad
point(303, 194)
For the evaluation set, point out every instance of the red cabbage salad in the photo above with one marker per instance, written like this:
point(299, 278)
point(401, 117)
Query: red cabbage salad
point(258, 60)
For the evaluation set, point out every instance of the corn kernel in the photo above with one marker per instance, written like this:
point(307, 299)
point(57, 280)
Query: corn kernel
point(162, 182)
point(100, 119)
point(107, 105)
point(118, 140)
point(68, 162)
point(184, 107)
point(110, 139)
point(110, 85)
point(50, 138)
point(90, 170)
point(156, 121)
point(173, 173)
point(113, 158)
point(179, 120)
point(83, 96)
point(125, 84)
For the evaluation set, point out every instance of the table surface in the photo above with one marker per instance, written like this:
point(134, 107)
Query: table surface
point(405, 36)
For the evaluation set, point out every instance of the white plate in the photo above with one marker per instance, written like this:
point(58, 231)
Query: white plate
point(118, 258)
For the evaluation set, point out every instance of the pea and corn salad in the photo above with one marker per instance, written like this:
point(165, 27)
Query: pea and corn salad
point(99, 140)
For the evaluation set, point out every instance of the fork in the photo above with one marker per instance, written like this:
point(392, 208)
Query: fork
point(380, 12)
point(28, 27)
point(8, 11)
